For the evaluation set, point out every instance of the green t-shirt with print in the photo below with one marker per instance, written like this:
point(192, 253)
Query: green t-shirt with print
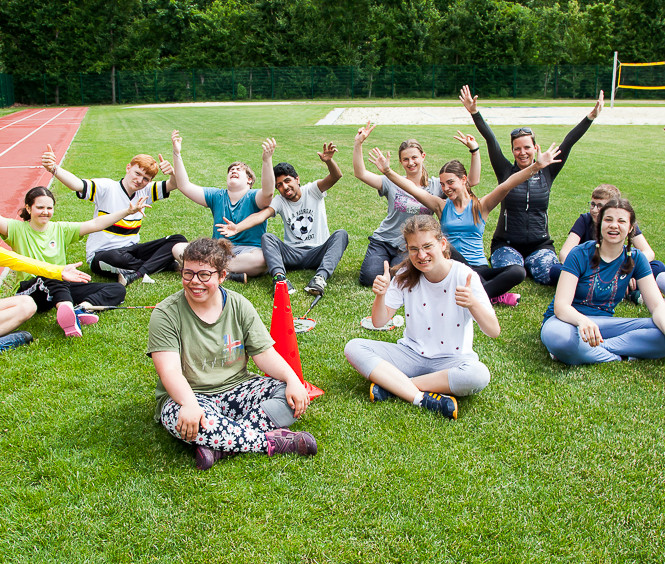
point(213, 356)
point(49, 245)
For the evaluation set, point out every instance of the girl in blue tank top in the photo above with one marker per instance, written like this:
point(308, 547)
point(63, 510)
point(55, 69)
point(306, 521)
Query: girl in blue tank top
point(463, 215)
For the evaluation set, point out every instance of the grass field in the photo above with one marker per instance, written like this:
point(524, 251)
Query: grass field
point(548, 463)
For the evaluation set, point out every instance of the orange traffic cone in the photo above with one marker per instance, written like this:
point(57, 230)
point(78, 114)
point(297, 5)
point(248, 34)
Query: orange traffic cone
point(284, 335)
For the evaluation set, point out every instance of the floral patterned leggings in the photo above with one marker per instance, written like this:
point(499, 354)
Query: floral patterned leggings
point(236, 422)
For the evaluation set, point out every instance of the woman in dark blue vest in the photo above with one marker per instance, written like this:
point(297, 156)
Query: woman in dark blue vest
point(522, 236)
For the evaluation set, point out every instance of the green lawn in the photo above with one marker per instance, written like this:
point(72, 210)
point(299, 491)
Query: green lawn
point(548, 463)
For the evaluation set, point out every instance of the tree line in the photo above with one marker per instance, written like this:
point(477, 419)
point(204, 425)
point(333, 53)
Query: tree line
point(88, 36)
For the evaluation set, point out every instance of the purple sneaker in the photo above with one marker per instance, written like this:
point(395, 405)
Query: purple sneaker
point(285, 441)
point(206, 457)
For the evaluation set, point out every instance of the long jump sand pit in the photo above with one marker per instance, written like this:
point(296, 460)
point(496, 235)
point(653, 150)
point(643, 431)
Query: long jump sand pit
point(495, 115)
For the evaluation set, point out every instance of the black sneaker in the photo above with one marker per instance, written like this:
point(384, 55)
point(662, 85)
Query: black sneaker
point(126, 277)
point(282, 278)
point(316, 285)
point(445, 405)
point(239, 277)
point(14, 340)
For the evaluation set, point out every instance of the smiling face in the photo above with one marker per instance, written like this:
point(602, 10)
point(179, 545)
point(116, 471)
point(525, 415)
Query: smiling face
point(524, 151)
point(425, 251)
point(198, 292)
point(136, 178)
point(453, 186)
point(615, 225)
point(412, 160)
point(41, 212)
point(239, 176)
point(288, 187)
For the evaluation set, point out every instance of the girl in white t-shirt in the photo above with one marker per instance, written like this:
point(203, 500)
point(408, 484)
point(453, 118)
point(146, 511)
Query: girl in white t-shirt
point(441, 298)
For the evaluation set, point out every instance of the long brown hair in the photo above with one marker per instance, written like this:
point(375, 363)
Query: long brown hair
point(413, 144)
point(457, 168)
point(410, 275)
point(620, 204)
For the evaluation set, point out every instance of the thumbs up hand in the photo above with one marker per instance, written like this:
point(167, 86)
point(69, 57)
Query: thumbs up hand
point(48, 159)
point(382, 281)
point(464, 295)
point(165, 166)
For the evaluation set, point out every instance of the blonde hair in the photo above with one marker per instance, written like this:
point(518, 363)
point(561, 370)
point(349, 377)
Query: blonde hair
point(606, 192)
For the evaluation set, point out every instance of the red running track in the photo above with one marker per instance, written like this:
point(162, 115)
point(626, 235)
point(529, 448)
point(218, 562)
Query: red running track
point(23, 138)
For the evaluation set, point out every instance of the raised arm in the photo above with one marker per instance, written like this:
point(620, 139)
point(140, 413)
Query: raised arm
point(359, 170)
point(494, 198)
point(167, 168)
point(500, 164)
point(103, 221)
point(264, 197)
point(575, 134)
point(50, 163)
point(229, 229)
point(189, 189)
point(191, 415)
point(334, 172)
point(474, 170)
point(382, 162)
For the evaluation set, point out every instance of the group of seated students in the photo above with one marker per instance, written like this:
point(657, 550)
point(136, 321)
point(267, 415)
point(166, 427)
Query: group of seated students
point(201, 337)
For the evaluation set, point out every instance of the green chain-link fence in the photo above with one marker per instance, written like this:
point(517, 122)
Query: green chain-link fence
point(267, 83)
point(6, 90)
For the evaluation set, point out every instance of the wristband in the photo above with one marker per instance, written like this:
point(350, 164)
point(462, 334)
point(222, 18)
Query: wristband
point(55, 170)
point(474, 150)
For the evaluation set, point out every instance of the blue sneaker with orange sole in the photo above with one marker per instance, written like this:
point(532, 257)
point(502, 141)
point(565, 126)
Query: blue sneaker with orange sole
point(377, 393)
point(445, 405)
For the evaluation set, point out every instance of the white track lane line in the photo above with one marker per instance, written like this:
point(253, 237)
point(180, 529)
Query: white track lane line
point(20, 120)
point(32, 133)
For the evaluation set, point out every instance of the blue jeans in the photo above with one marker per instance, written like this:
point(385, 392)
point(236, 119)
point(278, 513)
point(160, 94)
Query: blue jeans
point(538, 264)
point(377, 252)
point(622, 337)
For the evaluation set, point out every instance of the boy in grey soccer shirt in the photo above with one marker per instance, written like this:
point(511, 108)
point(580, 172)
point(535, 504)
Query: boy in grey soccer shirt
point(307, 240)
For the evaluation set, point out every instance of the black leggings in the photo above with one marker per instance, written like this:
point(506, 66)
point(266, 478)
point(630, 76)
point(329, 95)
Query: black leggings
point(497, 281)
point(47, 292)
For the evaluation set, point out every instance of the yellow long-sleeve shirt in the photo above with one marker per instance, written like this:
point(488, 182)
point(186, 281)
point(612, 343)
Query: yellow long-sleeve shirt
point(18, 262)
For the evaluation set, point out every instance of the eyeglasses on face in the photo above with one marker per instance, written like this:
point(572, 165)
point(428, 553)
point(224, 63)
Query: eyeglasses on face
point(521, 131)
point(596, 205)
point(202, 275)
point(426, 248)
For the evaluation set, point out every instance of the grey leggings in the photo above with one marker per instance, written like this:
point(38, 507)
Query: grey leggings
point(466, 374)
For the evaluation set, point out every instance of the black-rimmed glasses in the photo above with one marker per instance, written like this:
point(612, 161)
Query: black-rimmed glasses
point(202, 275)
